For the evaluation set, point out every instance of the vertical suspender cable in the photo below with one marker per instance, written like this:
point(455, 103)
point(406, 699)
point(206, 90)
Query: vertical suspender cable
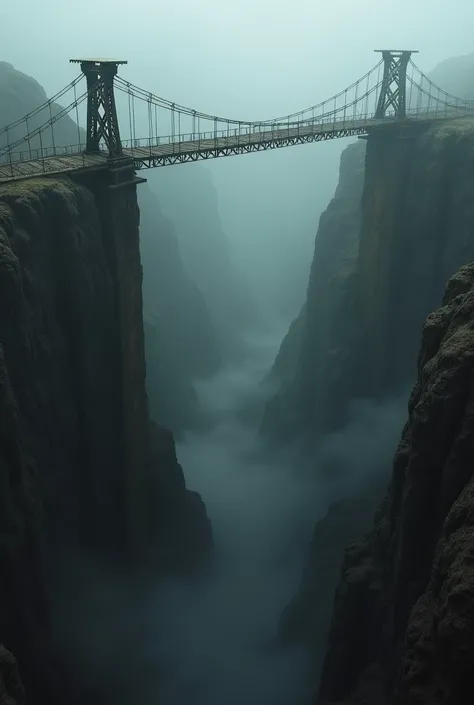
point(28, 136)
point(41, 149)
point(150, 121)
point(410, 92)
point(51, 124)
point(134, 123)
point(77, 118)
point(129, 93)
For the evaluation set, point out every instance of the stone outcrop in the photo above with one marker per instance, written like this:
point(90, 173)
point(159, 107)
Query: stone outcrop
point(12, 691)
point(403, 614)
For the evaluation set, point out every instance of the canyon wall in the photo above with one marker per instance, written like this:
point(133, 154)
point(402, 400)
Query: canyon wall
point(402, 626)
point(81, 472)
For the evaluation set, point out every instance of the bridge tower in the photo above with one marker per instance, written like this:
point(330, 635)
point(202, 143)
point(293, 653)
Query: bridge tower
point(102, 121)
point(393, 90)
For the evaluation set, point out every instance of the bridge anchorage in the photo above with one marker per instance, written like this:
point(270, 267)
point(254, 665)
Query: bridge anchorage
point(393, 94)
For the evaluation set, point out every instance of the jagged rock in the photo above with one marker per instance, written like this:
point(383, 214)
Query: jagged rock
point(12, 691)
point(403, 622)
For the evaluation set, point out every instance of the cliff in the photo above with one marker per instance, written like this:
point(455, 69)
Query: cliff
point(403, 616)
point(80, 472)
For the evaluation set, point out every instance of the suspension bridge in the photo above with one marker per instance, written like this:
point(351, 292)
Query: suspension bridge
point(155, 132)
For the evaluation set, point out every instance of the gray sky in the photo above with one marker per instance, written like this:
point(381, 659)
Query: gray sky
point(247, 59)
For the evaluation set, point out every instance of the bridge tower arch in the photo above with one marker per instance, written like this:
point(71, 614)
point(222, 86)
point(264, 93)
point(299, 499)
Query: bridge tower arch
point(394, 82)
point(102, 121)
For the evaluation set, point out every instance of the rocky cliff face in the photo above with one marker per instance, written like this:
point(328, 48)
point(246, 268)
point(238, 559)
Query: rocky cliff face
point(62, 396)
point(403, 615)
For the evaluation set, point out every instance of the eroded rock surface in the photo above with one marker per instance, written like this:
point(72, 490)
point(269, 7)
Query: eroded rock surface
point(403, 622)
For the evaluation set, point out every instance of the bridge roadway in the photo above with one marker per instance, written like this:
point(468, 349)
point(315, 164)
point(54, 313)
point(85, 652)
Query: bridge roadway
point(206, 146)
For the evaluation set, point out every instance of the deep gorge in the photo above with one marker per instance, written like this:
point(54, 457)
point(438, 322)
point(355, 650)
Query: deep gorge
point(198, 507)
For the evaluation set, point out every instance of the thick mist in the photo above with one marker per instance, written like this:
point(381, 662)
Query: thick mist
point(217, 640)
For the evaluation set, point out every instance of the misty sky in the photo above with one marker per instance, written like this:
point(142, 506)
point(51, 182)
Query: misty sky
point(249, 59)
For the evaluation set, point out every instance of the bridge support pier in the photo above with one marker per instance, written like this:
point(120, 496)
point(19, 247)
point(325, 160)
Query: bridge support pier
point(393, 91)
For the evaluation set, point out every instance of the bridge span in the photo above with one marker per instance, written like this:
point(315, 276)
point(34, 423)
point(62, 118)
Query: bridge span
point(394, 94)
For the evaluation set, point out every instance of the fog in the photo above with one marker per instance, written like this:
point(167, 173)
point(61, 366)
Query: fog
point(214, 643)
point(219, 642)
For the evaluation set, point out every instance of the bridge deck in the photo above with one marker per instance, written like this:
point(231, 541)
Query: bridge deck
point(192, 150)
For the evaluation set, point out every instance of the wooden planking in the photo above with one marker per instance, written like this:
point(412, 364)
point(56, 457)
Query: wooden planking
point(50, 166)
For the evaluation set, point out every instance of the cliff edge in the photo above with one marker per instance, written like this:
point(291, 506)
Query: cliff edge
point(403, 622)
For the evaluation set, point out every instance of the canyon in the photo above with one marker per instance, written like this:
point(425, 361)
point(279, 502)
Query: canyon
point(103, 294)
